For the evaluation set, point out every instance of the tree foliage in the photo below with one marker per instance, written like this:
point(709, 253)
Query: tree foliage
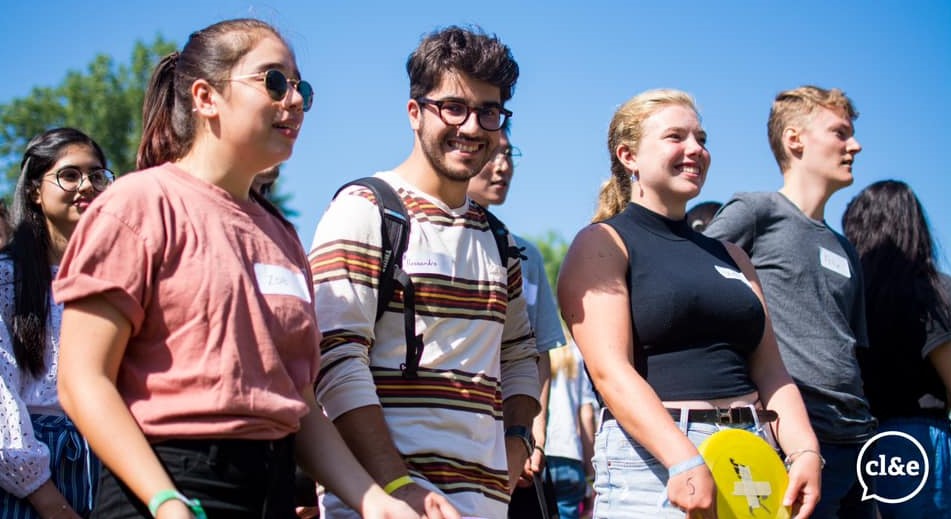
point(553, 248)
point(104, 101)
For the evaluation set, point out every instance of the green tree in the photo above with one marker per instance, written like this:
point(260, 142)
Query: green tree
point(553, 248)
point(105, 102)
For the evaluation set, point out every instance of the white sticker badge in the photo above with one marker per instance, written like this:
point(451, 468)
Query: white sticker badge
point(278, 280)
point(732, 274)
point(834, 262)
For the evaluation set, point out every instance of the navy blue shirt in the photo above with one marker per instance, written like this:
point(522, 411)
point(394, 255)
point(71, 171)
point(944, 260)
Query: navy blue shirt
point(696, 319)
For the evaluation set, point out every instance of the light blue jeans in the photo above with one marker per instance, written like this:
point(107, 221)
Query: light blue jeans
point(934, 500)
point(629, 481)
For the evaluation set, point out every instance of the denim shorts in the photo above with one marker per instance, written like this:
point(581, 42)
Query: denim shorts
point(630, 481)
point(934, 499)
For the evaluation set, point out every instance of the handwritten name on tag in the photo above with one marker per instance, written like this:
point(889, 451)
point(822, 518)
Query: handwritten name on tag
point(278, 280)
point(431, 263)
point(834, 262)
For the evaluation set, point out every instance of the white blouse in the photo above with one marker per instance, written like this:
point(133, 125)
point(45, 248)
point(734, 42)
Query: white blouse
point(24, 461)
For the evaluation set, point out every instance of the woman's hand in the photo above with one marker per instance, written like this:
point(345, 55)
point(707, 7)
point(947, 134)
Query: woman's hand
point(694, 492)
point(805, 482)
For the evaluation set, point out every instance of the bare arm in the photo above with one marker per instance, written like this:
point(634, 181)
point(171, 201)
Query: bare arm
point(586, 426)
point(322, 452)
point(94, 337)
point(366, 434)
point(540, 423)
point(595, 304)
point(778, 392)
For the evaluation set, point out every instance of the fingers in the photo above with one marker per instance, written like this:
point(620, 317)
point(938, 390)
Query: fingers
point(438, 507)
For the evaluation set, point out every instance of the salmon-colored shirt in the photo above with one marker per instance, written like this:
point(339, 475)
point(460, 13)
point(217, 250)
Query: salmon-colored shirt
point(224, 335)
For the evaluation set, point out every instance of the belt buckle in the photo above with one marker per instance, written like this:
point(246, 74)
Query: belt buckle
point(726, 416)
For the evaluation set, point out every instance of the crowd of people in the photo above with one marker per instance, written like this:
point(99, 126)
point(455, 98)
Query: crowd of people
point(169, 349)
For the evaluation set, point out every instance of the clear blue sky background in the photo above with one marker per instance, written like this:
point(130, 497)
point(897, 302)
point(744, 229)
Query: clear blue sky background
point(579, 61)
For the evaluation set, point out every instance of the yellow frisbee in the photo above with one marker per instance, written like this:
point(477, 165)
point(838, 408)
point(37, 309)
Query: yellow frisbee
point(750, 477)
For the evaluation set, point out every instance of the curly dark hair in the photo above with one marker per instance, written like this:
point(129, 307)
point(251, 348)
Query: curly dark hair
point(469, 51)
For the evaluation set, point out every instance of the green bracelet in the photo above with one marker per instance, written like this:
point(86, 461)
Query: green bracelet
point(167, 495)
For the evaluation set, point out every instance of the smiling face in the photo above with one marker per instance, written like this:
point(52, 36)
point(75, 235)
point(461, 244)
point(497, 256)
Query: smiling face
point(491, 185)
point(671, 159)
point(260, 130)
point(62, 209)
point(456, 153)
point(826, 147)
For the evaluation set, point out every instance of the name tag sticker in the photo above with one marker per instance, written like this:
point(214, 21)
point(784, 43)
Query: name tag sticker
point(530, 290)
point(834, 262)
point(278, 280)
point(733, 274)
point(433, 263)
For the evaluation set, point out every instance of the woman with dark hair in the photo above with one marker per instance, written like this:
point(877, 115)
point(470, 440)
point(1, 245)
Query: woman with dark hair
point(189, 358)
point(907, 368)
point(46, 469)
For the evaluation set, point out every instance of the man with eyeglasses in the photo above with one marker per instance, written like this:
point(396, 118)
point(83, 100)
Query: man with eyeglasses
point(453, 440)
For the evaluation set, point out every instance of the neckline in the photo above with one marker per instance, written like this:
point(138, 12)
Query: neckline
point(660, 224)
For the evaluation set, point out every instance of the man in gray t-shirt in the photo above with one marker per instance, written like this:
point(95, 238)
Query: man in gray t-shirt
point(812, 279)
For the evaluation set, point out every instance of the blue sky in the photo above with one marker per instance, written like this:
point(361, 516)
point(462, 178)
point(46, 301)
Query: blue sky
point(579, 61)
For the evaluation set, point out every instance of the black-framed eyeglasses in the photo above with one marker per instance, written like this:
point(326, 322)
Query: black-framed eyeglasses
point(71, 178)
point(510, 153)
point(278, 85)
point(491, 118)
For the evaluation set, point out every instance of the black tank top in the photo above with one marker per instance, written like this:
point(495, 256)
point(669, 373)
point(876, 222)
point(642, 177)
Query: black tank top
point(695, 318)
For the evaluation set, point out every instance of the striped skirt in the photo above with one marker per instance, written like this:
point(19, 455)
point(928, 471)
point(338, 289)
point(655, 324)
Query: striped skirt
point(75, 470)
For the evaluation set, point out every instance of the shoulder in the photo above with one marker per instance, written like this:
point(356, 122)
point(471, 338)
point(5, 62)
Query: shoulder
point(528, 248)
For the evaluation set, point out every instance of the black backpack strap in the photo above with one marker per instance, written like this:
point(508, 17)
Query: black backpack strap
point(501, 234)
point(395, 239)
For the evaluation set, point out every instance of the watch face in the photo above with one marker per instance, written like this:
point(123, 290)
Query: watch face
point(750, 477)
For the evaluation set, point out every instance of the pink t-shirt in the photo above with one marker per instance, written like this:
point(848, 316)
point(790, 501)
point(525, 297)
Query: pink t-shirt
point(224, 335)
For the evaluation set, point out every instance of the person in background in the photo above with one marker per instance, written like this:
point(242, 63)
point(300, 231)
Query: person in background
point(812, 279)
point(672, 327)
point(5, 229)
point(46, 467)
point(571, 423)
point(491, 187)
point(699, 216)
point(907, 367)
point(453, 436)
point(189, 341)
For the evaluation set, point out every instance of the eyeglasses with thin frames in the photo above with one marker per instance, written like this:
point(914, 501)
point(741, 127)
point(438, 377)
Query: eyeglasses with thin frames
point(71, 178)
point(510, 153)
point(491, 118)
point(278, 85)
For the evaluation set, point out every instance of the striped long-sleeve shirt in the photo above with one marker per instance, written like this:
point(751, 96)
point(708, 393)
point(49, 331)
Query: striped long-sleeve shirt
point(479, 346)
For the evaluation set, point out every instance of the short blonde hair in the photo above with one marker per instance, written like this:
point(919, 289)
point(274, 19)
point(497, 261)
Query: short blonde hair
point(627, 127)
point(793, 107)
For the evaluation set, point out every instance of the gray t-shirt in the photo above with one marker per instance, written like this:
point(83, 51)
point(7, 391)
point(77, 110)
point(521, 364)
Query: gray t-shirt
point(812, 281)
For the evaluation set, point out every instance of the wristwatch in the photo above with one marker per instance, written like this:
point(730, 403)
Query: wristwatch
point(522, 433)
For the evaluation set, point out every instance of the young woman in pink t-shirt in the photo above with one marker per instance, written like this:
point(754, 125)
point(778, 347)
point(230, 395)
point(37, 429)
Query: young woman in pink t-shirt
point(189, 341)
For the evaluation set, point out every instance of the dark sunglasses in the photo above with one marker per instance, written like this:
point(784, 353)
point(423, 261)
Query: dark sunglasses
point(278, 85)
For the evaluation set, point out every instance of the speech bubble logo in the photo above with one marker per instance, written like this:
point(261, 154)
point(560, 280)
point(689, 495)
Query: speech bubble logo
point(893, 458)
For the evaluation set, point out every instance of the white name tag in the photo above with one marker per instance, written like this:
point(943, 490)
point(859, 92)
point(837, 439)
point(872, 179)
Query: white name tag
point(433, 263)
point(834, 262)
point(278, 280)
point(733, 274)
point(530, 290)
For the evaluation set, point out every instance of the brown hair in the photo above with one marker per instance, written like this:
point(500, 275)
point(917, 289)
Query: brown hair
point(168, 125)
point(626, 128)
point(468, 51)
point(792, 107)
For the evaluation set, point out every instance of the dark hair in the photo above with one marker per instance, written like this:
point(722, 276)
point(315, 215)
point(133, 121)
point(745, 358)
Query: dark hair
point(699, 216)
point(168, 125)
point(29, 246)
point(469, 51)
point(888, 227)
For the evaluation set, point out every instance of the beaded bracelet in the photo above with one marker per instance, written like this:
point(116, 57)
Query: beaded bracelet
point(684, 466)
point(397, 484)
point(791, 457)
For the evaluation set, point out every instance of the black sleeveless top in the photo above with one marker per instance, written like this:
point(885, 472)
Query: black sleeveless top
point(696, 320)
